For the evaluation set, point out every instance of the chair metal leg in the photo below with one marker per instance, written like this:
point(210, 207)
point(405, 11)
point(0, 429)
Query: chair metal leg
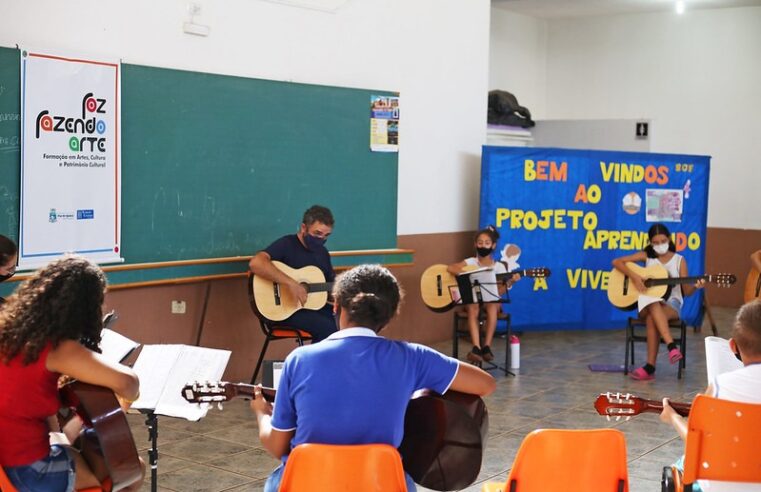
point(508, 336)
point(261, 359)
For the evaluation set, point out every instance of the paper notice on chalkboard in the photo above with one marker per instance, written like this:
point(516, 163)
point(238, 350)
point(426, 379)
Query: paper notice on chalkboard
point(384, 123)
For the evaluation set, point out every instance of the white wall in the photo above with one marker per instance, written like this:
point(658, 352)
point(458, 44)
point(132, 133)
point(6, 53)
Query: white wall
point(518, 58)
point(696, 76)
point(434, 52)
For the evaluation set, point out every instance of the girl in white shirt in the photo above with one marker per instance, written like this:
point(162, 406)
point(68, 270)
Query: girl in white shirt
point(657, 312)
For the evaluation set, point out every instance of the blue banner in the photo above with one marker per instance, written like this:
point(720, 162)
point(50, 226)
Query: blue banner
point(574, 211)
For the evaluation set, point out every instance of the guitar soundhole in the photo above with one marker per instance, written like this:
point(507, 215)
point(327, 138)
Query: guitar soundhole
point(276, 294)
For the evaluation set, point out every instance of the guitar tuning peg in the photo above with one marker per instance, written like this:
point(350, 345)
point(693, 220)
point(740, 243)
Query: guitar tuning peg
point(219, 405)
point(628, 419)
point(608, 417)
point(618, 418)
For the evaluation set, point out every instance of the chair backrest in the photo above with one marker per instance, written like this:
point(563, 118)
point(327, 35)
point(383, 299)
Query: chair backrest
point(336, 468)
point(722, 441)
point(570, 460)
point(5, 484)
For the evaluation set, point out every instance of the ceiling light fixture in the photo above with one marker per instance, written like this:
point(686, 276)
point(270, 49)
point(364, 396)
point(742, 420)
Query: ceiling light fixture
point(680, 7)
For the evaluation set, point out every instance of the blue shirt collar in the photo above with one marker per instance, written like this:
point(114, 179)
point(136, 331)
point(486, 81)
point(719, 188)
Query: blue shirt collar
point(352, 332)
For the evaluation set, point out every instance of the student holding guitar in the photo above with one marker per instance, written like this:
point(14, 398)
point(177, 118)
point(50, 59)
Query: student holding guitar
point(654, 310)
point(303, 249)
point(743, 385)
point(485, 243)
point(354, 387)
point(44, 329)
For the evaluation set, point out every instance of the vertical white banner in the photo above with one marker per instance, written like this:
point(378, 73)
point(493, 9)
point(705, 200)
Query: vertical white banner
point(70, 158)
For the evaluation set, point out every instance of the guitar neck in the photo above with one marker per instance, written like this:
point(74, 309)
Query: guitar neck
point(507, 275)
point(247, 391)
point(319, 287)
point(652, 282)
point(655, 406)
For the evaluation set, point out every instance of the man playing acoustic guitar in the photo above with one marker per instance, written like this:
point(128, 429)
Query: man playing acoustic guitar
point(305, 248)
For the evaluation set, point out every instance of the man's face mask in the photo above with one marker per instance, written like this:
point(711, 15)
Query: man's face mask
point(314, 242)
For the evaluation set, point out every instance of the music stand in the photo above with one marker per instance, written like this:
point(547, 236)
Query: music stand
point(481, 287)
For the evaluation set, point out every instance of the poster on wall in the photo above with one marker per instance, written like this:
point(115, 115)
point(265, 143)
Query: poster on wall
point(70, 158)
point(384, 123)
point(574, 211)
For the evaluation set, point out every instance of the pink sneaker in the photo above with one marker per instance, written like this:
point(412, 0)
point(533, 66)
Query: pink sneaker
point(640, 374)
point(675, 355)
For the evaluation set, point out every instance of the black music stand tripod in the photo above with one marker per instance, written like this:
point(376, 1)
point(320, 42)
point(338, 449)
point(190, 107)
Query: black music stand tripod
point(477, 288)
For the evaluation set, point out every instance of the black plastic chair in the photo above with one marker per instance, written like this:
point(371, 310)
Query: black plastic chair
point(461, 315)
point(632, 336)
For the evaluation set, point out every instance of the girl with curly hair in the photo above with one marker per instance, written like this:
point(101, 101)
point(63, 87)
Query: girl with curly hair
point(48, 328)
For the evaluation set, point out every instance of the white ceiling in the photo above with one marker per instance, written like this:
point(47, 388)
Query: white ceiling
point(585, 8)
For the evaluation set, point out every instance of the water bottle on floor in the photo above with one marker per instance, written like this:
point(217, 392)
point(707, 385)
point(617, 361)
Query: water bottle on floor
point(515, 352)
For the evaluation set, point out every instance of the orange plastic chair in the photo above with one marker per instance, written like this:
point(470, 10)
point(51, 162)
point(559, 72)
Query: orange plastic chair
point(5, 485)
point(722, 442)
point(348, 468)
point(568, 460)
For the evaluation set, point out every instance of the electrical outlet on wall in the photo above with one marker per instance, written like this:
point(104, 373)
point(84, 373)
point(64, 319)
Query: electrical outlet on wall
point(178, 307)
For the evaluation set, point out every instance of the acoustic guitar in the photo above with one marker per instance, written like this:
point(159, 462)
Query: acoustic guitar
point(627, 405)
point(276, 303)
point(106, 443)
point(444, 435)
point(436, 281)
point(623, 294)
point(752, 286)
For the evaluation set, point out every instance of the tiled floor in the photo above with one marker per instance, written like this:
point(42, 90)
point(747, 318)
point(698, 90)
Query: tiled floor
point(555, 389)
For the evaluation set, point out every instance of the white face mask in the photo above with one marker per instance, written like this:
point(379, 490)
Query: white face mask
point(661, 249)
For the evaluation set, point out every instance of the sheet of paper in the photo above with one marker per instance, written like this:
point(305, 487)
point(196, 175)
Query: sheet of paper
point(193, 364)
point(153, 367)
point(115, 346)
point(719, 358)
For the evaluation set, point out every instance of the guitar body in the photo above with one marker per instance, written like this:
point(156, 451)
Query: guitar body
point(276, 304)
point(434, 287)
point(752, 286)
point(106, 444)
point(444, 439)
point(623, 294)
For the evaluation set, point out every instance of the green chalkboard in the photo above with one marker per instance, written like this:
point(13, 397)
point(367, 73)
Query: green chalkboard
point(217, 166)
point(10, 145)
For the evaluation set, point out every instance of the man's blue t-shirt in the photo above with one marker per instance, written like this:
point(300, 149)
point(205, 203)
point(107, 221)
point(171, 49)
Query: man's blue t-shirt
point(289, 250)
point(354, 387)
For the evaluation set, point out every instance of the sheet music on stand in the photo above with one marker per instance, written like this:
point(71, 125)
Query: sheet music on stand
point(115, 346)
point(476, 287)
point(163, 371)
